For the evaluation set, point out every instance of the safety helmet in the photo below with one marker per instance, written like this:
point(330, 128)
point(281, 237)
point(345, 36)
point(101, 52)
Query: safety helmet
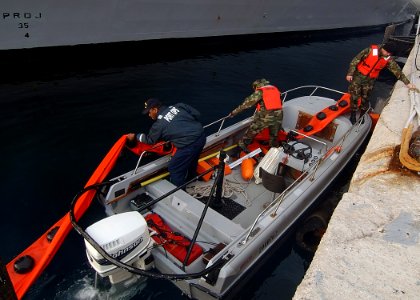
point(259, 83)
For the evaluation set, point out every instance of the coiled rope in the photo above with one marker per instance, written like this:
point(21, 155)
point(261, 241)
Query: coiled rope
point(230, 188)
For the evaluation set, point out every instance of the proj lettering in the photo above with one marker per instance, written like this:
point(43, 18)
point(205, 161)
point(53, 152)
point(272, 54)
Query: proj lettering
point(20, 16)
point(23, 21)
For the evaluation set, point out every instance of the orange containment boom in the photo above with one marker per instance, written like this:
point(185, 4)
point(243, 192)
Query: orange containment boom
point(326, 116)
point(161, 148)
point(37, 256)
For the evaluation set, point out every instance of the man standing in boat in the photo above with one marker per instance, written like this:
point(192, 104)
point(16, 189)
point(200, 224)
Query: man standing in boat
point(177, 124)
point(363, 71)
point(269, 112)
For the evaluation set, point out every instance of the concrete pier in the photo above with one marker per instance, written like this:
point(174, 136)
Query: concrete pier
point(371, 249)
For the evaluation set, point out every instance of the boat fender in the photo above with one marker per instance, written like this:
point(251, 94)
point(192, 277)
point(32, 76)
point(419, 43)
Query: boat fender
point(333, 108)
point(51, 233)
point(247, 168)
point(310, 233)
point(321, 115)
point(24, 264)
point(308, 128)
point(414, 145)
point(343, 103)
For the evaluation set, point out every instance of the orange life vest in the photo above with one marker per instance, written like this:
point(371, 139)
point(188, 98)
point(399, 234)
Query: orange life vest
point(173, 242)
point(373, 63)
point(271, 97)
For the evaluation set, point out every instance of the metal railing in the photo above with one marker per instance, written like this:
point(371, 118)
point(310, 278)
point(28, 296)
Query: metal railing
point(315, 88)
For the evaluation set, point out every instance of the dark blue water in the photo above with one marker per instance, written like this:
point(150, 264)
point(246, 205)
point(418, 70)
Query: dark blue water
point(56, 129)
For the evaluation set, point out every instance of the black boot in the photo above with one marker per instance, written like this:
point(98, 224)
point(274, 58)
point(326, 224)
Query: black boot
point(274, 143)
point(353, 117)
point(243, 147)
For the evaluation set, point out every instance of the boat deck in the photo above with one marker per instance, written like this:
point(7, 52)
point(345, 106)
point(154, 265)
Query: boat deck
point(242, 200)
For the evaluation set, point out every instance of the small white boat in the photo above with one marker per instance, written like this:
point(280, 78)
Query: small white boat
point(211, 235)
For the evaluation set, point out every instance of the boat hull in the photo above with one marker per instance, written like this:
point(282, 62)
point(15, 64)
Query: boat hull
point(265, 219)
point(26, 24)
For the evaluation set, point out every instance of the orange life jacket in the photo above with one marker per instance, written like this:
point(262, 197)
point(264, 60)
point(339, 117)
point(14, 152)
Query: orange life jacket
point(173, 242)
point(271, 97)
point(373, 63)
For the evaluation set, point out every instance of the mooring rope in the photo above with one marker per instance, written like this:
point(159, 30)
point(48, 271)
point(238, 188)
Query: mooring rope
point(229, 189)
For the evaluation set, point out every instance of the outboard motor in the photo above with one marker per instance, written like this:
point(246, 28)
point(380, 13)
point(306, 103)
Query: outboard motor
point(125, 237)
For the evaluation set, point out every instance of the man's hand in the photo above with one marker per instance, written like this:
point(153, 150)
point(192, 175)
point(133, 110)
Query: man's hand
point(130, 140)
point(131, 137)
point(413, 88)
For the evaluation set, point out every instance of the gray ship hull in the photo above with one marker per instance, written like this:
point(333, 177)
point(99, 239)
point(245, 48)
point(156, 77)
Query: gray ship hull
point(46, 23)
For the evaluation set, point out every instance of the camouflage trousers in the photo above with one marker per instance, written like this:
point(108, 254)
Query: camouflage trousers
point(360, 87)
point(263, 119)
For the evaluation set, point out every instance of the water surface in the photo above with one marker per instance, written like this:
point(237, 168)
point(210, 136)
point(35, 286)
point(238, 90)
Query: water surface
point(56, 129)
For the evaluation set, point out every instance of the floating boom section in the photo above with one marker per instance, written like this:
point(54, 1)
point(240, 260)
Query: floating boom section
point(160, 148)
point(37, 256)
point(325, 117)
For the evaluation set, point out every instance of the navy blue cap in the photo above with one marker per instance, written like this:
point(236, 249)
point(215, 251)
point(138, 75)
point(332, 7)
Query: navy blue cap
point(151, 103)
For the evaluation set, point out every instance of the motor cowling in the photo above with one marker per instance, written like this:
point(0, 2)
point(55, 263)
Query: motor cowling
point(123, 236)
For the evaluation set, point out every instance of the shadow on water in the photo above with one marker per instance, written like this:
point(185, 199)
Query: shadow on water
point(61, 62)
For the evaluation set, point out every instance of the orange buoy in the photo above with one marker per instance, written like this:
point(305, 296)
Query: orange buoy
point(247, 168)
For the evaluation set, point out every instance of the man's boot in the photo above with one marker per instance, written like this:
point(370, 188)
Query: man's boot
point(353, 117)
point(243, 147)
point(274, 143)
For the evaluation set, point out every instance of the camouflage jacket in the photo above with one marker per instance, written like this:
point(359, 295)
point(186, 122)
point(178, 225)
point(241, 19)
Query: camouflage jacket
point(249, 102)
point(391, 66)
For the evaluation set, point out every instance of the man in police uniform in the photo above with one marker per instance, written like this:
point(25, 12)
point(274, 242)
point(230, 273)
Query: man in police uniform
point(268, 114)
point(363, 71)
point(178, 124)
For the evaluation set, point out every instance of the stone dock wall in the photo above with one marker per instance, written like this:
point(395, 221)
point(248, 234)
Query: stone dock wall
point(371, 249)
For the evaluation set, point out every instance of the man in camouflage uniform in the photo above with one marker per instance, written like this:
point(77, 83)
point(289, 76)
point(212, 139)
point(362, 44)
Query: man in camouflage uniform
point(263, 117)
point(362, 84)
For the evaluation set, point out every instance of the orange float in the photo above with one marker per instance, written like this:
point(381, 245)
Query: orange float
point(247, 168)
